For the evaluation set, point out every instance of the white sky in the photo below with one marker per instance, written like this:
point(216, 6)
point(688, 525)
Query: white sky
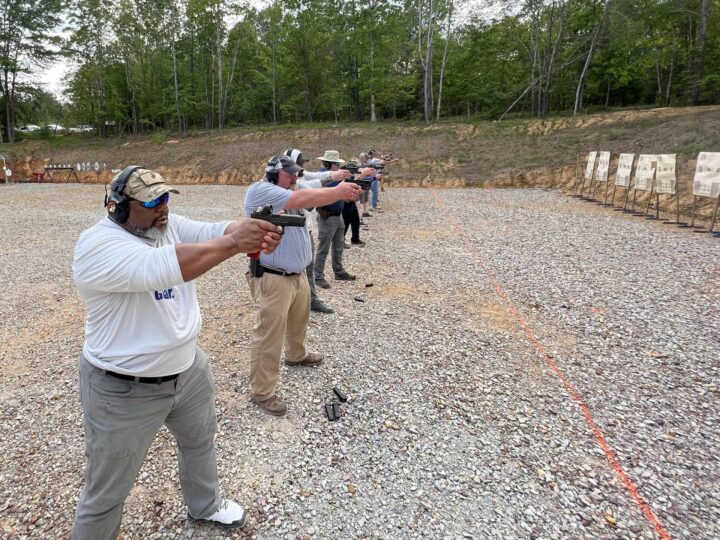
point(54, 78)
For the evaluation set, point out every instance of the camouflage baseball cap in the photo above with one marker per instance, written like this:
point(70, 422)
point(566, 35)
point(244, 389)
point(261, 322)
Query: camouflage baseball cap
point(145, 185)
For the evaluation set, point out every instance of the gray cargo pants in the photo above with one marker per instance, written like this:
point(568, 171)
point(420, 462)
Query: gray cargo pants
point(331, 233)
point(310, 271)
point(121, 421)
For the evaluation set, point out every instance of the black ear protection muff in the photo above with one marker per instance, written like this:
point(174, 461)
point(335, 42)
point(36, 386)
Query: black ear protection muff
point(117, 204)
point(271, 170)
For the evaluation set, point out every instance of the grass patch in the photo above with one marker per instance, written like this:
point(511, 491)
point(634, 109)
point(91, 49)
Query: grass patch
point(159, 137)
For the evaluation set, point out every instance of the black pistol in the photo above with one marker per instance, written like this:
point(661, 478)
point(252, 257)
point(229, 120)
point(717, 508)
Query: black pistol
point(354, 169)
point(284, 220)
point(364, 183)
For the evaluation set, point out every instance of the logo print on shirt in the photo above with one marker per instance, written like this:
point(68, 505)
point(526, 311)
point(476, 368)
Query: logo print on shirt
point(167, 294)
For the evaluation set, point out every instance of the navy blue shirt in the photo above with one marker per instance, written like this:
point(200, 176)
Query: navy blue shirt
point(336, 206)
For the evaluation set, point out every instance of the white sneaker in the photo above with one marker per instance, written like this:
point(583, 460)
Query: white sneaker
point(230, 515)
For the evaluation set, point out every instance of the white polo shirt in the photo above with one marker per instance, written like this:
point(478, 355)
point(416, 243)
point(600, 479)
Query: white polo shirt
point(142, 320)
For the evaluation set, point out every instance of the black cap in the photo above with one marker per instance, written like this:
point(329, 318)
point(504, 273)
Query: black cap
point(287, 164)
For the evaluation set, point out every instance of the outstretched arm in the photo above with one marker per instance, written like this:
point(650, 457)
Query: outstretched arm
point(246, 236)
point(308, 198)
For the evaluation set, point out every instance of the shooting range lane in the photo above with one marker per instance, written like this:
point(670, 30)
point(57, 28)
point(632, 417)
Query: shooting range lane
point(453, 427)
point(597, 433)
point(629, 307)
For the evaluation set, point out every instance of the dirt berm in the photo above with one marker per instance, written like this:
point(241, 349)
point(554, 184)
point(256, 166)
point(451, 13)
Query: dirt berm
point(545, 153)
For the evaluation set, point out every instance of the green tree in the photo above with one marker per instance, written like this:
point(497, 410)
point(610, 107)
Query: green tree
point(26, 43)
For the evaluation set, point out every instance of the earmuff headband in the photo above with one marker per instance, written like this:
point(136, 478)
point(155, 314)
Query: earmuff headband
point(116, 203)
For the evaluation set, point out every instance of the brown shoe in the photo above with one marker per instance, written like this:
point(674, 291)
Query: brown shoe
point(311, 359)
point(272, 405)
point(322, 283)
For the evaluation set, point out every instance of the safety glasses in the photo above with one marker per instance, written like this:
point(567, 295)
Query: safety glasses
point(162, 199)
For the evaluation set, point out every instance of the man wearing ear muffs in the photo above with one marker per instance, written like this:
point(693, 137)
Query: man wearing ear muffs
point(141, 366)
point(279, 284)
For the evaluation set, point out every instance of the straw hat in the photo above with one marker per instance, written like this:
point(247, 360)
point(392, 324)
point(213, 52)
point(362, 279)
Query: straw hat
point(333, 156)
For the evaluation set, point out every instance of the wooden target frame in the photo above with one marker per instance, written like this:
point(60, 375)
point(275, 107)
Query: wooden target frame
point(590, 162)
point(645, 173)
point(602, 174)
point(623, 165)
point(667, 183)
point(706, 183)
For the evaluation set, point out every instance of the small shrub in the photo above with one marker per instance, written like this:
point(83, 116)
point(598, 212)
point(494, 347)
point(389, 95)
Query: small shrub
point(158, 137)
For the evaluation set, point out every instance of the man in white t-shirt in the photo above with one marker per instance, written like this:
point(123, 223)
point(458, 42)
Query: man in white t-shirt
point(140, 366)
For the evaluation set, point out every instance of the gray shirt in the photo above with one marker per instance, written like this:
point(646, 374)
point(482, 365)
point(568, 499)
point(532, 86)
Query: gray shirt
point(294, 252)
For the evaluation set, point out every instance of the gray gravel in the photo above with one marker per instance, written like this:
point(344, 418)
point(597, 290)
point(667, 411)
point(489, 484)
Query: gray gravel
point(455, 427)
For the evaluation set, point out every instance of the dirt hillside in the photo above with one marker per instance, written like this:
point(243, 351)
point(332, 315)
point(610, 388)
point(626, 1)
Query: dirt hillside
point(511, 153)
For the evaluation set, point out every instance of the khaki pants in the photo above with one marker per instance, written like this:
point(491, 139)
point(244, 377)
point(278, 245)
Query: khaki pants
point(282, 311)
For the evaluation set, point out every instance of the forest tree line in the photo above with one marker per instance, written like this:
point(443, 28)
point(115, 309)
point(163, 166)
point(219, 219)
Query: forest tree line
point(146, 65)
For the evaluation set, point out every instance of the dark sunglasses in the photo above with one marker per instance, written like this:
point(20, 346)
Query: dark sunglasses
point(162, 199)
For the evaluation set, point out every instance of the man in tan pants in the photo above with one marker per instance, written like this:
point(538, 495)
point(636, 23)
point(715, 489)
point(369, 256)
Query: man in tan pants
point(279, 285)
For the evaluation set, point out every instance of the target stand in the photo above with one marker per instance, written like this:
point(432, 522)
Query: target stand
point(707, 184)
point(67, 168)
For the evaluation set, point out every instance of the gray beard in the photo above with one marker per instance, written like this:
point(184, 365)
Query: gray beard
point(153, 233)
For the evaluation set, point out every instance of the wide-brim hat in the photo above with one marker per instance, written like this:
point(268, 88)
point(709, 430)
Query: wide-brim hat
point(332, 156)
point(145, 185)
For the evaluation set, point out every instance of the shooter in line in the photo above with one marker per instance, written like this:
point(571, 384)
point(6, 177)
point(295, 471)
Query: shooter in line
point(314, 180)
point(279, 284)
point(331, 230)
point(141, 366)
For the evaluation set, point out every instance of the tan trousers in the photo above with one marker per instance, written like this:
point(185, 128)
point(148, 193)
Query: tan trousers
point(282, 311)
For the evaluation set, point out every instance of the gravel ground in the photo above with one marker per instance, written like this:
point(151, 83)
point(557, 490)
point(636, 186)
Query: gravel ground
point(456, 427)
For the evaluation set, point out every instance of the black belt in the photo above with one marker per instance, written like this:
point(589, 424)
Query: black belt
point(325, 215)
point(145, 380)
point(278, 272)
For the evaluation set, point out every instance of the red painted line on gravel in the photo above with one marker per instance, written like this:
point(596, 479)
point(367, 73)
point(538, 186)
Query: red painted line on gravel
point(610, 454)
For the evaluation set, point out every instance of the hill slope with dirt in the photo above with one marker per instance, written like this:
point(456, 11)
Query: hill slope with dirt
point(511, 153)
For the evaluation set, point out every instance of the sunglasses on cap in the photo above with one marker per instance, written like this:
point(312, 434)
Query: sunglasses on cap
point(162, 199)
